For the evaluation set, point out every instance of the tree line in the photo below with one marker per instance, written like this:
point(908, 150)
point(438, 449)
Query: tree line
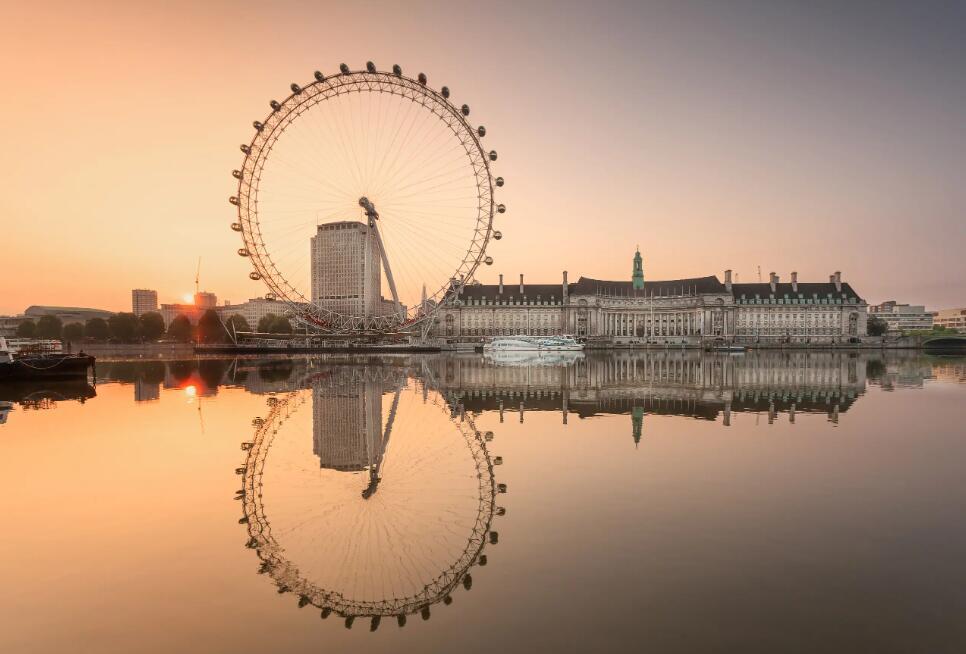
point(149, 327)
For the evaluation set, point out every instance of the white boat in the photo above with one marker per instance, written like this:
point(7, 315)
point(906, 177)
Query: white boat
point(533, 344)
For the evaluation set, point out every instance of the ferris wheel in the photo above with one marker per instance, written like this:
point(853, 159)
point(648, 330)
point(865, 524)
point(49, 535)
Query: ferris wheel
point(365, 199)
point(387, 512)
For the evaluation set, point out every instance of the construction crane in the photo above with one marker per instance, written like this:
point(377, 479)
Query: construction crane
point(198, 277)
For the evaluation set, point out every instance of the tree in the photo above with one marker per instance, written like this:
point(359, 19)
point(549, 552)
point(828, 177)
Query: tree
point(123, 326)
point(73, 331)
point(26, 329)
point(210, 329)
point(151, 326)
point(96, 329)
point(281, 326)
point(265, 323)
point(49, 327)
point(180, 329)
point(237, 323)
point(877, 326)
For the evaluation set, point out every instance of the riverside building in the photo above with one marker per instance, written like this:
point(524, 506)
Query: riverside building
point(346, 270)
point(902, 317)
point(687, 311)
point(950, 318)
point(143, 301)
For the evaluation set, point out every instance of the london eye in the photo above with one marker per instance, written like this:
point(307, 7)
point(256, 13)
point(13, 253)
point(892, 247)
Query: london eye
point(386, 513)
point(364, 198)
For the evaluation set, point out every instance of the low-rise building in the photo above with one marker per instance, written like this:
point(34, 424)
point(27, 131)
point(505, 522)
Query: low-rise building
point(67, 315)
point(254, 310)
point(902, 317)
point(950, 319)
point(9, 324)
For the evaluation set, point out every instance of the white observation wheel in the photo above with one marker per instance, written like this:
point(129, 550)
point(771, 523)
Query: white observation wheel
point(364, 199)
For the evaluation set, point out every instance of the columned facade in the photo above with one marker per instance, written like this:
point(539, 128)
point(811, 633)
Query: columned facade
point(637, 312)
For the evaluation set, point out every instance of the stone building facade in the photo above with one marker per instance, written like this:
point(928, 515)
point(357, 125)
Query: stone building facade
point(679, 311)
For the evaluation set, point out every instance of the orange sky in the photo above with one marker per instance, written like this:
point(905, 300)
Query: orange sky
point(715, 139)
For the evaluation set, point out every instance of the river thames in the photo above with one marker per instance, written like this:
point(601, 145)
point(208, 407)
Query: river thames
point(667, 501)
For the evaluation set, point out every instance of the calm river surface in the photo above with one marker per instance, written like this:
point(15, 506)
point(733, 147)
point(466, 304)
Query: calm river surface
point(662, 502)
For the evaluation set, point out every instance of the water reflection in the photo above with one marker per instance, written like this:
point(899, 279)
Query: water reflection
point(42, 395)
point(390, 508)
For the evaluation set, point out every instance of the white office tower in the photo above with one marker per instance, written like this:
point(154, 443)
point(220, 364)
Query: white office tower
point(346, 272)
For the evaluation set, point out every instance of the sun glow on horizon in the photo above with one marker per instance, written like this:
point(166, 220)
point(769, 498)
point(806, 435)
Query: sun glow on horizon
point(188, 298)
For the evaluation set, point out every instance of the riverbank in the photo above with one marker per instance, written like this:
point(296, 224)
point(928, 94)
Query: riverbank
point(135, 350)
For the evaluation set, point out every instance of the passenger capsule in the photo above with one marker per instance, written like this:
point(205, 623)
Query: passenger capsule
point(275, 105)
point(465, 109)
point(445, 91)
point(501, 208)
point(236, 174)
point(233, 200)
point(319, 77)
point(371, 67)
point(494, 538)
point(499, 181)
point(488, 261)
point(344, 68)
point(244, 148)
point(396, 70)
point(498, 460)
point(468, 582)
point(257, 125)
point(482, 560)
point(254, 276)
point(236, 227)
point(401, 620)
point(497, 235)
point(422, 79)
point(242, 252)
point(500, 511)
point(492, 155)
point(501, 488)
point(481, 131)
point(488, 436)
point(296, 89)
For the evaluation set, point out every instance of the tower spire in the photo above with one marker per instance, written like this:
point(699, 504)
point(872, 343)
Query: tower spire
point(637, 278)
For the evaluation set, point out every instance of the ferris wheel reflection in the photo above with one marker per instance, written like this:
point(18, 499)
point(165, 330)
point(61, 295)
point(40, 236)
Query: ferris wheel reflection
point(389, 512)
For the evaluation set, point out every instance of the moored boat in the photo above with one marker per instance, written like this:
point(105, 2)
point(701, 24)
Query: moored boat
point(533, 343)
point(24, 365)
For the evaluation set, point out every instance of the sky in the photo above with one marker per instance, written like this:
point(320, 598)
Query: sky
point(812, 136)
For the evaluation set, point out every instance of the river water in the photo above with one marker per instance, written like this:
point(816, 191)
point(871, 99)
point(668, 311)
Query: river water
point(665, 502)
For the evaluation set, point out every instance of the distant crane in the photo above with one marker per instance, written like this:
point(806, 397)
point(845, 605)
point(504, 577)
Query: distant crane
point(198, 277)
point(759, 270)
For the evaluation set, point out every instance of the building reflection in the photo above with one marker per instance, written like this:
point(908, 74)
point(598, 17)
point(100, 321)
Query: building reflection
point(683, 383)
point(686, 383)
point(347, 420)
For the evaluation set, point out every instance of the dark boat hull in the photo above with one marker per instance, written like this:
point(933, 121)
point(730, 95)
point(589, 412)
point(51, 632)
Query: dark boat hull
point(66, 366)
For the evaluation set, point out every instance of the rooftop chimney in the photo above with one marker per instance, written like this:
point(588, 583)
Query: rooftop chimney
point(728, 280)
point(521, 283)
point(837, 280)
point(795, 282)
point(773, 281)
point(566, 291)
point(501, 283)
